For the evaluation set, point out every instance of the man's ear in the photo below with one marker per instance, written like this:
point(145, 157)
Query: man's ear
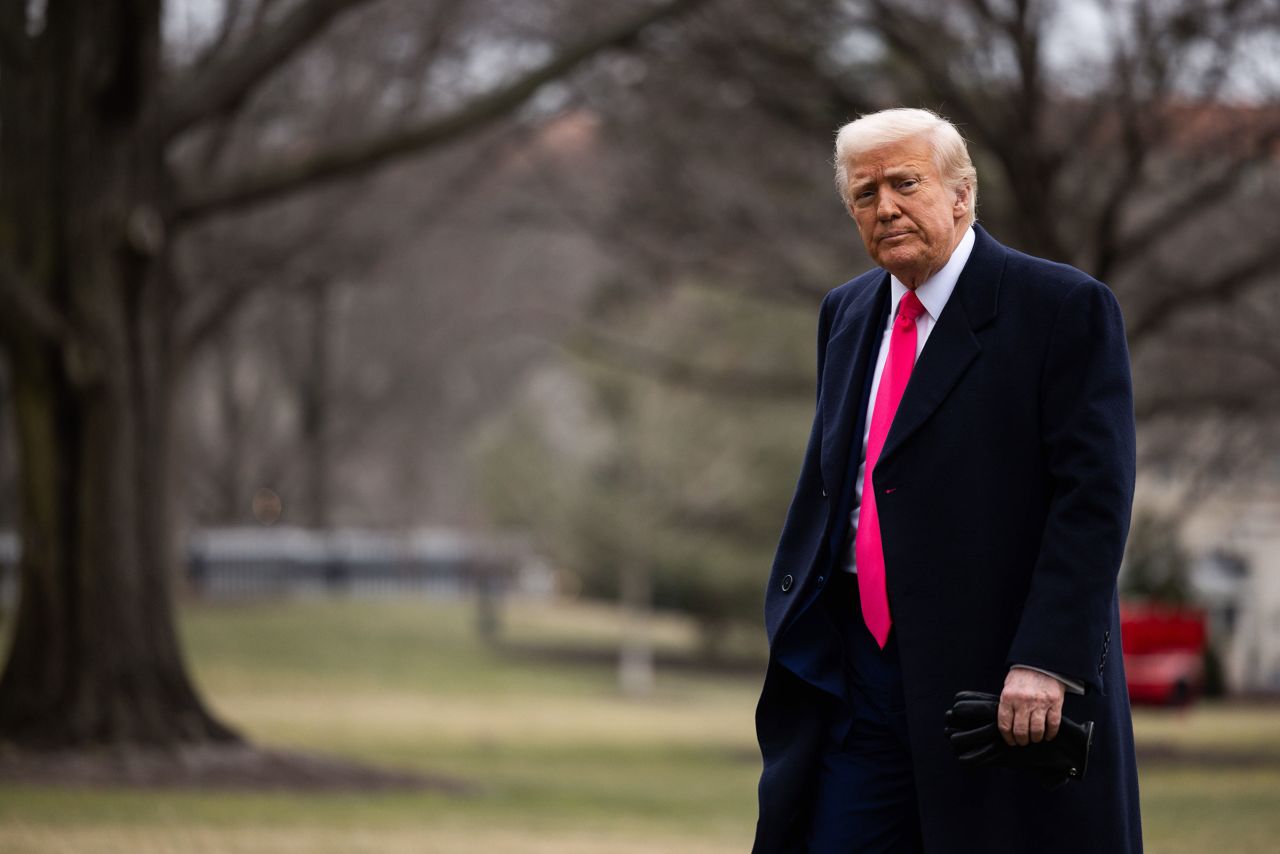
point(963, 199)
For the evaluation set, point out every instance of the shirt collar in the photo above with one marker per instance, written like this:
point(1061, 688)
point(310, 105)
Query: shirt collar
point(936, 290)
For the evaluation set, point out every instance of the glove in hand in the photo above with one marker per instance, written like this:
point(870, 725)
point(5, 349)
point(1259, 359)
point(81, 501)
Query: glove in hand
point(976, 740)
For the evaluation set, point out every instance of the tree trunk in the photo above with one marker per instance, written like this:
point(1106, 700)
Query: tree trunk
point(95, 657)
point(316, 404)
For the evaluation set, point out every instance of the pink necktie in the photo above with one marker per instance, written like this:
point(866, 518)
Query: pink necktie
point(868, 548)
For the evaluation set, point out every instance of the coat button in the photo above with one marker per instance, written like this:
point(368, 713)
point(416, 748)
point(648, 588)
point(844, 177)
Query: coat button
point(821, 580)
point(787, 581)
point(824, 492)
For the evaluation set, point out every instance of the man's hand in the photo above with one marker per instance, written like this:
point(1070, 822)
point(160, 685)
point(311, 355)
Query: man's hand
point(1030, 707)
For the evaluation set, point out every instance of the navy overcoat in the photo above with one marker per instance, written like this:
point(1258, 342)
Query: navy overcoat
point(1004, 488)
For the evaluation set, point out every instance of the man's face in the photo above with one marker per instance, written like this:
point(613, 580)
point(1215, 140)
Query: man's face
point(909, 218)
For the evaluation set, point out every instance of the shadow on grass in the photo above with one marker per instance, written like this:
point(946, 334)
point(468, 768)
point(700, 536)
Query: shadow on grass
point(236, 767)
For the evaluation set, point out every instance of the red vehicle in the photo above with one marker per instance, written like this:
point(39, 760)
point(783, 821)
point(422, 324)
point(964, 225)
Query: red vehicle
point(1164, 650)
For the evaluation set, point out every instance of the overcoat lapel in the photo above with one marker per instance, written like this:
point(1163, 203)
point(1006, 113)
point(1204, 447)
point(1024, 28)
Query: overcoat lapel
point(952, 345)
point(850, 348)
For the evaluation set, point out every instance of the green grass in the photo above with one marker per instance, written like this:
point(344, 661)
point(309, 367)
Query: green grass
point(560, 761)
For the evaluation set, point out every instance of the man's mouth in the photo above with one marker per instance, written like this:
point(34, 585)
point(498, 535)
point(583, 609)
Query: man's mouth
point(893, 234)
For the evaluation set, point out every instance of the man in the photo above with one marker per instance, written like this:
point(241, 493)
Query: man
point(958, 525)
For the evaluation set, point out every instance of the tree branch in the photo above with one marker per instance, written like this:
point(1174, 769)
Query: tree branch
point(436, 28)
point(654, 258)
point(210, 90)
point(595, 346)
point(206, 321)
point(278, 179)
point(226, 29)
point(24, 309)
point(215, 317)
point(1135, 147)
point(1226, 285)
point(1172, 213)
point(1182, 403)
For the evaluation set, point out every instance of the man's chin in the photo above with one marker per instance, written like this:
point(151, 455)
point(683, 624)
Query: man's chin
point(901, 264)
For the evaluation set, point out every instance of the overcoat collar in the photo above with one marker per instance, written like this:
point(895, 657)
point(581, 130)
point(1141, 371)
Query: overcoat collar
point(951, 348)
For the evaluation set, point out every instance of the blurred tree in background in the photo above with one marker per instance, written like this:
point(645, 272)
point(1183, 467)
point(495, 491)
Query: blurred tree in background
point(112, 154)
point(1157, 566)
point(678, 483)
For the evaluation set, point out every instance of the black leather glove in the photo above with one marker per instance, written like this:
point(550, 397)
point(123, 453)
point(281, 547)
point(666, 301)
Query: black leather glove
point(975, 738)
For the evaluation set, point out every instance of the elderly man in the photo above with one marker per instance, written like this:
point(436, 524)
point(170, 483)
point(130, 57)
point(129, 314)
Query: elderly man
point(958, 525)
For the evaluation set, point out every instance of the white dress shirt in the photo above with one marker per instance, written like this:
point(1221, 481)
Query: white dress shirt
point(933, 294)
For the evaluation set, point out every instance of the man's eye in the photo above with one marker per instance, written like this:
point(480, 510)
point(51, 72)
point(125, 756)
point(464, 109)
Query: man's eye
point(908, 183)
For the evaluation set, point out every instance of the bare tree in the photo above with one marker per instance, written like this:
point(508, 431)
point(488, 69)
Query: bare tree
point(97, 332)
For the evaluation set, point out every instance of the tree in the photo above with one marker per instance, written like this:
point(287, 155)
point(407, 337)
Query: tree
point(1156, 566)
point(97, 331)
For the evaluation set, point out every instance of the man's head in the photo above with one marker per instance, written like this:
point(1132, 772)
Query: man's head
point(907, 180)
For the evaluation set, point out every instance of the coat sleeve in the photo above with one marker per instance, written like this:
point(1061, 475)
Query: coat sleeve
point(1087, 438)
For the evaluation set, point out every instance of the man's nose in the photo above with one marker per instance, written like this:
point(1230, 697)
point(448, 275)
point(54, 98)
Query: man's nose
point(887, 206)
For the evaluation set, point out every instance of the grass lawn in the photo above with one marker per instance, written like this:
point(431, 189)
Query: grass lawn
point(559, 760)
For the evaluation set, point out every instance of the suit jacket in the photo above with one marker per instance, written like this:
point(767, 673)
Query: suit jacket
point(1004, 490)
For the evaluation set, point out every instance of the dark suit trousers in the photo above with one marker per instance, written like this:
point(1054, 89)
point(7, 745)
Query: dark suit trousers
point(865, 798)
